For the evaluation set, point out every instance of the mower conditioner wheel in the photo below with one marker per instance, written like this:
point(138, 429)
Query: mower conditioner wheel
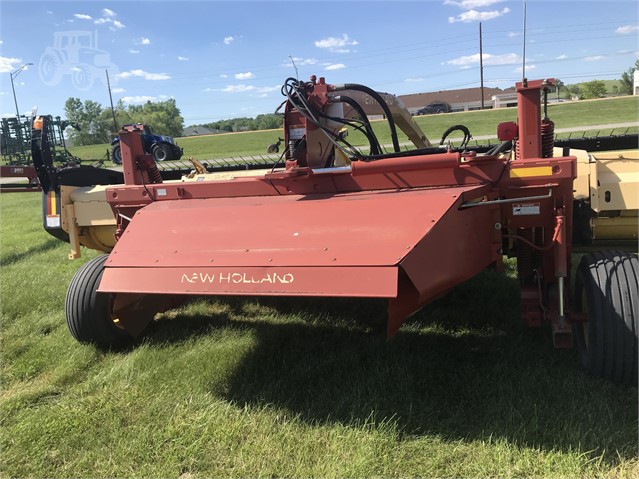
point(606, 290)
point(88, 312)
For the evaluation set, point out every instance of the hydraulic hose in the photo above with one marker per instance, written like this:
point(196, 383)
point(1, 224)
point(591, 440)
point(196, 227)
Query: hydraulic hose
point(382, 103)
point(370, 134)
point(464, 129)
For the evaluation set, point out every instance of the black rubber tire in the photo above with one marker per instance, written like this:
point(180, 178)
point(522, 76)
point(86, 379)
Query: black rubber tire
point(606, 288)
point(162, 152)
point(89, 312)
point(116, 155)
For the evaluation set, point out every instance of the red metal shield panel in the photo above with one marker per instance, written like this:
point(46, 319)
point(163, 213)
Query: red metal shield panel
point(296, 281)
point(325, 245)
point(357, 229)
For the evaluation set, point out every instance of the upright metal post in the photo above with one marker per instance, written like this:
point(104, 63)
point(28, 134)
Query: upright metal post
point(13, 75)
point(481, 67)
point(115, 123)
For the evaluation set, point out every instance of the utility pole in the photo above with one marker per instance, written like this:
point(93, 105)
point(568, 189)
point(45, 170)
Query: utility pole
point(13, 75)
point(481, 67)
point(115, 122)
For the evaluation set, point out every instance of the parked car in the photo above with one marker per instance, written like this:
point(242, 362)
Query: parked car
point(434, 107)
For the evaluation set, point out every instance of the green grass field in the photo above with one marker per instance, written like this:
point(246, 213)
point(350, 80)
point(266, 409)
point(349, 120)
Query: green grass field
point(294, 388)
point(480, 123)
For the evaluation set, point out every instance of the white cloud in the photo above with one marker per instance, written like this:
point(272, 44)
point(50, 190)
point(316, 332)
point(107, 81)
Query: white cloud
point(144, 41)
point(336, 44)
point(563, 56)
point(8, 64)
point(83, 16)
point(413, 80)
point(243, 88)
point(335, 66)
point(244, 76)
point(299, 62)
point(108, 18)
point(521, 69)
point(183, 59)
point(224, 75)
point(466, 4)
point(146, 75)
point(513, 34)
point(475, 16)
point(627, 29)
point(594, 58)
point(468, 60)
point(237, 88)
point(132, 50)
point(118, 90)
point(228, 40)
point(137, 99)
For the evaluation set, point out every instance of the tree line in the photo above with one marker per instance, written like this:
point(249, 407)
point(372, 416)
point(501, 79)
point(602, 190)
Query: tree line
point(269, 121)
point(96, 124)
point(597, 88)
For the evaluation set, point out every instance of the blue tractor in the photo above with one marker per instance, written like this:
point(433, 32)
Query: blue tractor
point(162, 148)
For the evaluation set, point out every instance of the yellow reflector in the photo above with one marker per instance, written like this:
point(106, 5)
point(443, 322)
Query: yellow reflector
point(532, 171)
point(54, 207)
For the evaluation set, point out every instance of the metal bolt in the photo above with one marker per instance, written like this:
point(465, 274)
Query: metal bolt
point(497, 226)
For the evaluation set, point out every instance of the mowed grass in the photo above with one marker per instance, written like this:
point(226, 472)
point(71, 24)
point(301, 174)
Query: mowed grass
point(480, 123)
point(295, 388)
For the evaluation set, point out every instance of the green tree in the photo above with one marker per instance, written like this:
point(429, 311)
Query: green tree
point(96, 123)
point(593, 89)
point(574, 90)
point(122, 117)
point(627, 80)
point(268, 121)
point(163, 117)
point(89, 118)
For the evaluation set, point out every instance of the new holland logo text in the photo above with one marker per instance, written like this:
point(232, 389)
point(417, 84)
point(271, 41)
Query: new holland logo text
point(237, 278)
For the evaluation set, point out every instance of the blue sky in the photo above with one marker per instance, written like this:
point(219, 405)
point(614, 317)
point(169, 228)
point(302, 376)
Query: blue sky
point(229, 59)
